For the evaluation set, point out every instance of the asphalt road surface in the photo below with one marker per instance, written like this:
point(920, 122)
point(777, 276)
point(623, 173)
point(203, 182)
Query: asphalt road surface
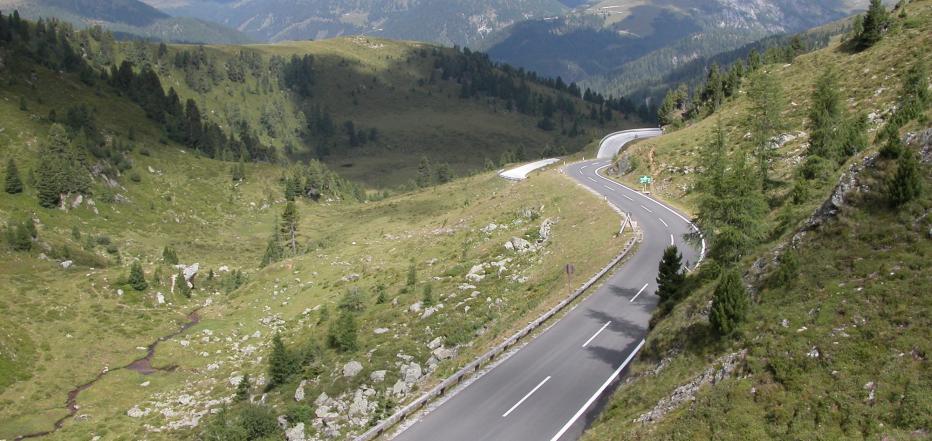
point(612, 144)
point(555, 386)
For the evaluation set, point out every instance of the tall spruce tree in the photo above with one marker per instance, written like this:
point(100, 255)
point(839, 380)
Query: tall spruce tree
point(182, 284)
point(766, 119)
point(13, 184)
point(906, 183)
point(289, 225)
point(137, 278)
point(670, 275)
point(425, 175)
point(342, 333)
point(280, 363)
point(875, 23)
point(729, 303)
point(242, 389)
point(60, 169)
point(825, 117)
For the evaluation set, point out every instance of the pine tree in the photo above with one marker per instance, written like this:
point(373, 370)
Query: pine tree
point(342, 334)
point(412, 274)
point(18, 235)
point(729, 303)
point(182, 284)
point(13, 183)
point(767, 104)
point(425, 173)
point(444, 174)
point(670, 275)
point(242, 389)
point(906, 183)
point(137, 278)
point(280, 363)
point(875, 23)
point(427, 299)
point(22, 104)
point(273, 251)
point(381, 297)
point(825, 117)
point(60, 170)
point(289, 225)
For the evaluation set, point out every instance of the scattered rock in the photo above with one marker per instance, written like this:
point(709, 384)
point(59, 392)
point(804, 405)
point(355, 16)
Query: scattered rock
point(159, 298)
point(379, 331)
point(66, 264)
point(521, 246)
point(377, 376)
point(350, 278)
point(136, 412)
point(813, 353)
point(352, 368)
point(415, 307)
point(443, 353)
point(546, 228)
point(411, 373)
point(299, 392)
point(295, 433)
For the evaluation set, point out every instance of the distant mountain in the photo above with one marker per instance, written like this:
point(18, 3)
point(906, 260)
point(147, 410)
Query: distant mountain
point(462, 22)
point(130, 17)
point(615, 45)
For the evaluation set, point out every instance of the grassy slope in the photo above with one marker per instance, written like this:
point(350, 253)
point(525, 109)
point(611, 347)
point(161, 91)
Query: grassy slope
point(65, 326)
point(860, 298)
point(377, 83)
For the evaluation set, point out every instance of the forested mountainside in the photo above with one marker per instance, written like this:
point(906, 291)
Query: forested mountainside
point(812, 183)
point(132, 18)
point(167, 276)
point(464, 23)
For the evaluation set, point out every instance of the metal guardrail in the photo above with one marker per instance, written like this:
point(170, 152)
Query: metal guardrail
point(476, 364)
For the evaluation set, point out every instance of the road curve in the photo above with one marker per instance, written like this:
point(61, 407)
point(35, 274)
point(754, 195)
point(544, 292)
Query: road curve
point(550, 389)
point(612, 144)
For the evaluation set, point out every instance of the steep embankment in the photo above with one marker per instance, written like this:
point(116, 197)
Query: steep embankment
point(836, 339)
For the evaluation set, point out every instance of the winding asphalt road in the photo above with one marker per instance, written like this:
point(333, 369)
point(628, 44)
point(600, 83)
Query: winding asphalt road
point(553, 387)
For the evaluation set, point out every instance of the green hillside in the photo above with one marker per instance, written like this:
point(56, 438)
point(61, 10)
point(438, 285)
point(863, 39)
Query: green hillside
point(373, 108)
point(835, 339)
point(104, 196)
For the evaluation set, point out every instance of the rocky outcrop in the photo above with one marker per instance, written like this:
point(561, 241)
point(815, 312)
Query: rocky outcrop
point(723, 368)
point(352, 369)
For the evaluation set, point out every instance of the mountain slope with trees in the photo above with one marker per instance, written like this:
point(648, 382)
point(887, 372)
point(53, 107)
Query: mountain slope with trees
point(167, 277)
point(811, 183)
point(127, 17)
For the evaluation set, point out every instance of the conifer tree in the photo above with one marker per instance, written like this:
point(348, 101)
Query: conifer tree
point(670, 275)
point(906, 183)
point(273, 251)
point(342, 333)
point(425, 175)
point(729, 303)
point(381, 296)
point(289, 225)
point(412, 274)
point(182, 284)
point(13, 184)
point(875, 23)
point(137, 278)
point(825, 117)
point(242, 389)
point(767, 104)
point(427, 299)
point(280, 364)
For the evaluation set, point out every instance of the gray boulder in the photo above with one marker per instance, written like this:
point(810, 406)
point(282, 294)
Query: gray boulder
point(352, 368)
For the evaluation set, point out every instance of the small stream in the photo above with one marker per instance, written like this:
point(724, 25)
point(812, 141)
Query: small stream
point(142, 365)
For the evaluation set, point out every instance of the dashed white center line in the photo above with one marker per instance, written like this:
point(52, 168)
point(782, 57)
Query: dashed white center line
point(671, 240)
point(526, 397)
point(590, 178)
point(596, 333)
point(639, 292)
point(628, 197)
point(664, 223)
point(608, 188)
point(648, 209)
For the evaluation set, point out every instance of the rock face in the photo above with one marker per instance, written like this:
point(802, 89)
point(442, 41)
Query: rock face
point(520, 245)
point(190, 272)
point(295, 433)
point(545, 231)
point(299, 392)
point(352, 369)
point(159, 298)
point(411, 373)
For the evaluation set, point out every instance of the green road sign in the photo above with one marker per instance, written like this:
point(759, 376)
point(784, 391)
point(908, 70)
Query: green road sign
point(646, 180)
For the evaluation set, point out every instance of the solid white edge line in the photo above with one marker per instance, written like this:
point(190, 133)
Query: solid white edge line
point(596, 333)
point(526, 397)
point(639, 292)
point(664, 223)
point(595, 396)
